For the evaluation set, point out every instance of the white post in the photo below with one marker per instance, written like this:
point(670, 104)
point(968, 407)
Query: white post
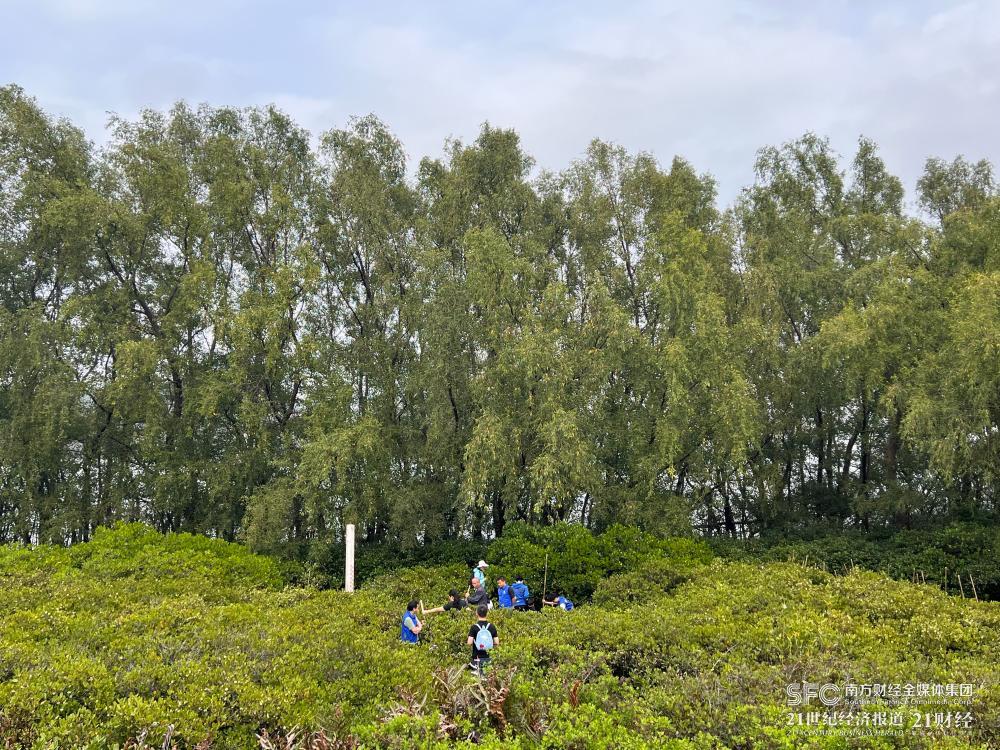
point(349, 562)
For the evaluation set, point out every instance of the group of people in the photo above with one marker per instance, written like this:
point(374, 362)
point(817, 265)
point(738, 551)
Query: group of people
point(483, 636)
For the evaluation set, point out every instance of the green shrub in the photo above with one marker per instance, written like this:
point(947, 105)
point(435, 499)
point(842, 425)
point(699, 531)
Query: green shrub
point(920, 555)
point(100, 646)
point(579, 559)
point(651, 580)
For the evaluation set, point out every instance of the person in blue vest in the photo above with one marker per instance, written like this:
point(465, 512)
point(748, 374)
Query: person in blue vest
point(409, 630)
point(521, 594)
point(503, 593)
point(558, 600)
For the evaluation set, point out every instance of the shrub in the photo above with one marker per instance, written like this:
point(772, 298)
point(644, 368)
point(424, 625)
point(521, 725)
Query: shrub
point(920, 555)
point(579, 559)
point(109, 647)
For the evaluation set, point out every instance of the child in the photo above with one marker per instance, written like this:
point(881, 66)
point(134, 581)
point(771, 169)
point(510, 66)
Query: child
point(409, 631)
point(483, 637)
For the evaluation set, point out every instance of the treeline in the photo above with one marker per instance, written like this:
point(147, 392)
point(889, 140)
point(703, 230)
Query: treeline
point(212, 324)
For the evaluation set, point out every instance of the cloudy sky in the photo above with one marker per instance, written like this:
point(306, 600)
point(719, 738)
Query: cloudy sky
point(712, 81)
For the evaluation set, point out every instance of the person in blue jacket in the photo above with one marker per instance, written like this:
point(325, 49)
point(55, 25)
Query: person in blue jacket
point(521, 593)
point(558, 600)
point(503, 593)
point(410, 627)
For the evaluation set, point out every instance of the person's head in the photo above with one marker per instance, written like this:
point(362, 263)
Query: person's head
point(482, 565)
point(474, 582)
point(412, 605)
point(453, 595)
point(555, 593)
point(519, 579)
point(501, 581)
point(481, 611)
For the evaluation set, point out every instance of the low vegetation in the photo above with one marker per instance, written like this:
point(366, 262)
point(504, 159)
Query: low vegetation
point(136, 638)
point(962, 558)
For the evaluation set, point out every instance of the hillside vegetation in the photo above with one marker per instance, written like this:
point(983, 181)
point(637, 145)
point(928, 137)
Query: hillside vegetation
point(140, 635)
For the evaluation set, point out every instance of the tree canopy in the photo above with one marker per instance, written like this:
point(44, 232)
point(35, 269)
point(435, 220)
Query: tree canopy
point(215, 324)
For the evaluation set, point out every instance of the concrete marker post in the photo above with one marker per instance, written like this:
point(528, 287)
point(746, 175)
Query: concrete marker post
point(349, 561)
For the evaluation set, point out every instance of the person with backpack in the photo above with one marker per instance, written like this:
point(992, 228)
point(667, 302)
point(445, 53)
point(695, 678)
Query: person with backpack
point(503, 593)
point(483, 638)
point(558, 600)
point(454, 603)
point(521, 593)
point(409, 631)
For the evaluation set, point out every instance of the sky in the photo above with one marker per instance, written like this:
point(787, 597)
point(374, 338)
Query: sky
point(710, 81)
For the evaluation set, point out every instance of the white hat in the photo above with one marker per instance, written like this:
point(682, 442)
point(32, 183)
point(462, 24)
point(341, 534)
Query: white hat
point(482, 564)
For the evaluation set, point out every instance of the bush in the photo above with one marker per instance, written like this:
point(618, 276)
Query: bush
point(101, 646)
point(579, 559)
point(920, 555)
point(650, 581)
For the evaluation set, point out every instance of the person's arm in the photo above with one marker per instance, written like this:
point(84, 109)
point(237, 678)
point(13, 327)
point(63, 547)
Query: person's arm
point(414, 625)
point(432, 610)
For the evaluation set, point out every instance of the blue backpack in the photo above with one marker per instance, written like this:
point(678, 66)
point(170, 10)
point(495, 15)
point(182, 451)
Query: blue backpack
point(484, 638)
point(565, 603)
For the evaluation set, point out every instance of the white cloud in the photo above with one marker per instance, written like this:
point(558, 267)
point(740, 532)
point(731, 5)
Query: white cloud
point(713, 81)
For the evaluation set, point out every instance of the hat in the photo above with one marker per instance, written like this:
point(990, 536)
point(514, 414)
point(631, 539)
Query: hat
point(482, 564)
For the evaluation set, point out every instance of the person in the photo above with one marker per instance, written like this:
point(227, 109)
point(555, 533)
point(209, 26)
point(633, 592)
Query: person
point(483, 638)
point(558, 600)
point(410, 628)
point(477, 594)
point(479, 571)
point(521, 594)
point(503, 593)
point(455, 602)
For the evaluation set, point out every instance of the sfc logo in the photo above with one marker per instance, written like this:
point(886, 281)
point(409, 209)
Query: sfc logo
point(803, 693)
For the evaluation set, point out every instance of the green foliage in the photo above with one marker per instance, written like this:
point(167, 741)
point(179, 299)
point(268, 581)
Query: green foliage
point(141, 635)
point(211, 326)
point(578, 559)
point(649, 581)
point(971, 551)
